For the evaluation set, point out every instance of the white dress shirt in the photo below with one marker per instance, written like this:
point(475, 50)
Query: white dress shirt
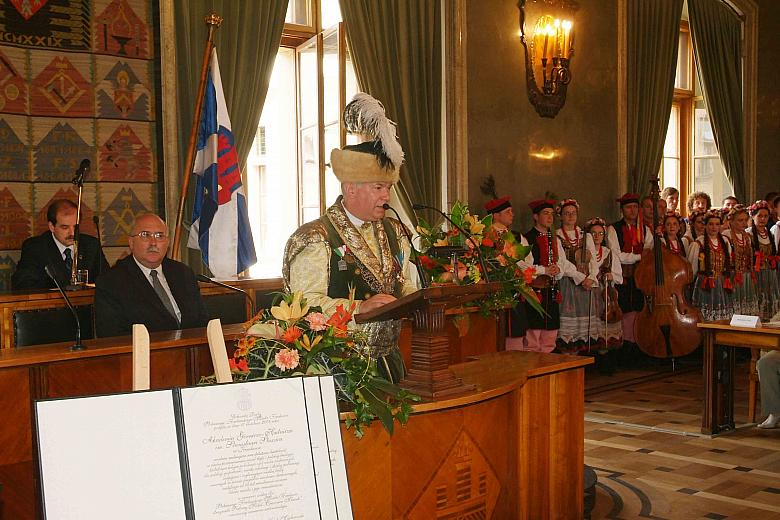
point(160, 276)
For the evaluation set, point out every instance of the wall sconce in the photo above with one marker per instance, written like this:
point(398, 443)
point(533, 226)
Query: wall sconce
point(548, 54)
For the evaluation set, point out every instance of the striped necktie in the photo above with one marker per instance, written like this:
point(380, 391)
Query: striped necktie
point(158, 288)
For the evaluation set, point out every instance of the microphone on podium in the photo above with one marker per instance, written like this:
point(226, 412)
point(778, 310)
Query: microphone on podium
point(418, 207)
point(77, 345)
point(206, 279)
point(415, 254)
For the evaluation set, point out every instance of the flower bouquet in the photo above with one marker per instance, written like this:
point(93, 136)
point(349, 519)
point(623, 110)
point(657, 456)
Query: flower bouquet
point(293, 339)
point(499, 249)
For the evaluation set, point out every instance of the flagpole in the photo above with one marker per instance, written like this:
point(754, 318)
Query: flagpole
point(213, 21)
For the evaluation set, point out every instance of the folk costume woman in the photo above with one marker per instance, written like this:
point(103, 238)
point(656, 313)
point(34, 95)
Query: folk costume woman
point(605, 334)
point(710, 258)
point(695, 226)
point(673, 237)
point(745, 296)
point(765, 261)
point(575, 287)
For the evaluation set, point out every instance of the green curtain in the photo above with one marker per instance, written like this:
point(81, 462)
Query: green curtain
point(396, 48)
point(247, 43)
point(653, 39)
point(716, 31)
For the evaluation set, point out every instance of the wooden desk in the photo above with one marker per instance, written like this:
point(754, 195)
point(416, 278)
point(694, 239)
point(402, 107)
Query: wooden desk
point(720, 339)
point(13, 301)
point(514, 446)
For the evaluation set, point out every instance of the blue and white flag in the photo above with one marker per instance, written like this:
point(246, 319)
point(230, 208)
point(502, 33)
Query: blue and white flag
point(220, 222)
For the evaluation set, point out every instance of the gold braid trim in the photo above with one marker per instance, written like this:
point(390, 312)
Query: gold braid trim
point(382, 268)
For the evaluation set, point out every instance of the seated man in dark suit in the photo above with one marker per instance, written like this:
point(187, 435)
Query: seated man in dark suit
point(55, 248)
point(147, 287)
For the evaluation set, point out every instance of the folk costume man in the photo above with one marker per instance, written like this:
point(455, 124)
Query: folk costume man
point(550, 261)
point(503, 216)
point(353, 246)
point(630, 237)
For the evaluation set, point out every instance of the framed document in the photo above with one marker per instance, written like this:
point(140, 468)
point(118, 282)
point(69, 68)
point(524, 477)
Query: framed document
point(261, 450)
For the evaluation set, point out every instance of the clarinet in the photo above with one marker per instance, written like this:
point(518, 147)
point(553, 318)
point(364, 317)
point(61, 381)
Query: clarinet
point(551, 261)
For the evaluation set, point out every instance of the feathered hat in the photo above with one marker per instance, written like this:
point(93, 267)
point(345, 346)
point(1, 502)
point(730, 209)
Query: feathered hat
point(496, 204)
point(380, 156)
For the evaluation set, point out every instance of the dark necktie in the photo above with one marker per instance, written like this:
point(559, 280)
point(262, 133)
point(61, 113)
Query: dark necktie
point(158, 288)
point(68, 260)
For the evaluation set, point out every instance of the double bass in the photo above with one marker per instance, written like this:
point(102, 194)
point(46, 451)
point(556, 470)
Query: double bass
point(666, 326)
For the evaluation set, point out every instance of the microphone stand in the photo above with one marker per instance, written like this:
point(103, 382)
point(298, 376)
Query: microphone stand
point(78, 180)
point(96, 221)
point(415, 254)
point(77, 345)
point(206, 279)
point(466, 234)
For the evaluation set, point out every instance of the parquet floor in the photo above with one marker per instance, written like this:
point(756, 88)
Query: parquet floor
point(652, 462)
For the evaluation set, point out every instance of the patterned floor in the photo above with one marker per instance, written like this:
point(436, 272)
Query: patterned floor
point(644, 443)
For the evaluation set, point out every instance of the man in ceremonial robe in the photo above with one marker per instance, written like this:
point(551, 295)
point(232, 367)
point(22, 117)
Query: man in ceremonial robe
point(147, 287)
point(354, 246)
point(629, 237)
point(55, 248)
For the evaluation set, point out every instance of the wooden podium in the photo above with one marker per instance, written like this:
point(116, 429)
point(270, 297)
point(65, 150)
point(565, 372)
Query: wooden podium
point(429, 374)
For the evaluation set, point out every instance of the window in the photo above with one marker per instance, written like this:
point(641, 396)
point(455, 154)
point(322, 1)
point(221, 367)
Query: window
point(289, 181)
point(691, 161)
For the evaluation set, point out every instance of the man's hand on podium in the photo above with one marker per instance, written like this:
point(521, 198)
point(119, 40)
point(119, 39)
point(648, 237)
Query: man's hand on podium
point(376, 301)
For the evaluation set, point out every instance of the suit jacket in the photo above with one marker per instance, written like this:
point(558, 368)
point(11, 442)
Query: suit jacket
point(124, 296)
point(41, 250)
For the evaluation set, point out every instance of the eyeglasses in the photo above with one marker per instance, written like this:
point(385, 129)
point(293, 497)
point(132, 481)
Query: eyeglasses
point(148, 235)
point(597, 233)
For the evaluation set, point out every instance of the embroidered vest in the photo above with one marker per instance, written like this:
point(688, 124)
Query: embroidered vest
point(635, 245)
point(347, 271)
point(576, 253)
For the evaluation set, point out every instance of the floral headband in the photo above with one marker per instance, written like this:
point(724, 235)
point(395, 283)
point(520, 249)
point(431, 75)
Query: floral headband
point(672, 213)
point(711, 214)
point(696, 214)
point(566, 202)
point(735, 210)
point(757, 206)
point(595, 221)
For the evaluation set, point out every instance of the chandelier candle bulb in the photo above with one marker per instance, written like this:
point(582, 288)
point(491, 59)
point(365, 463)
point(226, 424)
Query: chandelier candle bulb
point(566, 42)
point(547, 92)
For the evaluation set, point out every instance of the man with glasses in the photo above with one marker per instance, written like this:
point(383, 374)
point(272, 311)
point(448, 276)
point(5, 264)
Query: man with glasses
point(147, 287)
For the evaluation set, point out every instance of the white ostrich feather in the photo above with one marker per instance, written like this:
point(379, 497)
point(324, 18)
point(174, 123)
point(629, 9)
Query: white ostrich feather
point(365, 115)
